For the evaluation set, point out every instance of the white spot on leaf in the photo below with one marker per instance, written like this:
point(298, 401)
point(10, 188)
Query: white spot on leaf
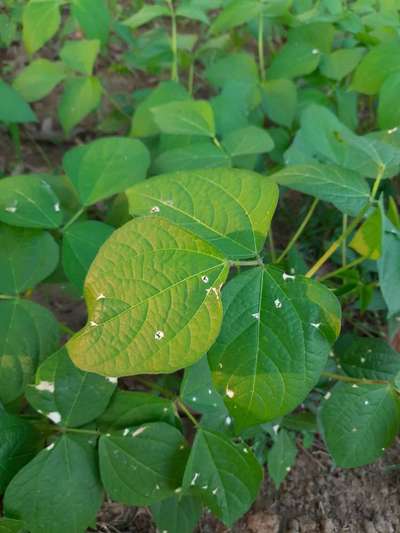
point(93, 324)
point(57, 207)
point(228, 420)
point(392, 130)
point(230, 393)
point(139, 431)
point(158, 335)
point(327, 395)
point(54, 416)
point(100, 297)
point(287, 276)
point(315, 51)
point(256, 316)
point(125, 432)
point(275, 428)
point(50, 446)
point(155, 209)
point(278, 303)
point(196, 475)
point(112, 379)
point(45, 386)
point(204, 279)
point(315, 325)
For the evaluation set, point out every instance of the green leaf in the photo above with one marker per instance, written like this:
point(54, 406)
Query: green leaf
point(249, 140)
point(197, 390)
point(200, 155)
point(280, 101)
point(80, 55)
point(59, 491)
point(19, 443)
point(146, 14)
point(9, 525)
point(236, 13)
point(192, 12)
point(294, 60)
point(341, 62)
point(40, 21)
point(28, 257)
point(225, 475)
point(274, 343)
point(128, 409)
point(388, 267)
point(146, 270)
point(348, 191)
point(93, 17)
point(191, 117)
point(240, 206)
point(81, 243)
point(281, 457)
point(388, 112)
point(381, 61)
point(144, 465)
point(13, 107)
point(38, 79)
point(333, 141)
point(68, 395)
point(239, 67)
point(105, 167)
point(368, 358)
point(81, 96)
point(143, 124)
point(30, 202)
point(20, 354)
point(177, 515)
point(358, 423)
point(367, 240)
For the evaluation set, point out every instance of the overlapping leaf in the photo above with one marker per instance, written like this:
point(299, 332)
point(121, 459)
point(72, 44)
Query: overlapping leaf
point(274, 343)
point(230, 208)
point(153, 301)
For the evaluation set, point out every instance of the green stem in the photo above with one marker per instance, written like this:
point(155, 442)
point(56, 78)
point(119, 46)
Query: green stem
point(377, 182)
point(75, 430)
point(73, 219)
point(300, 230)
point(340, 270)
point(271, 245)
point(344, 243)
point(174, 42)
point(183, 408)
point(16, 138)
point(7, 297)
point(348, 379)
point(261, 60)
point(191, 79)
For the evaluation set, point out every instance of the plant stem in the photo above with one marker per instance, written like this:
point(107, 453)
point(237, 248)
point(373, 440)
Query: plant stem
point(252, 262)
point(343, 269)
point(8, 297)
point(335, 245)
point(261, 60)
point(191, 79)
point(271, 245)
point(349, 379)
point(183, 408)
point(75, 430)
point(174, 42)
point(344, 243)
point(299, 231)
point(73, 219)
point(15, 136)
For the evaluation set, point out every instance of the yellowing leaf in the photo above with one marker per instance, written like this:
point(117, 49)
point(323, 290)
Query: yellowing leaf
point(368, 239)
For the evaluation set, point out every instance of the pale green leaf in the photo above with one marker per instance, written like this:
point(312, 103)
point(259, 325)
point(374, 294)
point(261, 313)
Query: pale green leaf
point(105, 167)
point(143, 465)
point(294, 60)
point(247, 141)
point(274, 343)
point(358, 423)
point(347, 190)
point(236, 13)
point(28, 257)
point(93, 17)
point(240, 205)
point(203, 154)
point(81, 96)
point(280, 101)
point(40, 21)
point(367, 240)
point(193, 12)
point(146, 14)
point(226, 476)
point(153, 301)
point(81, 242)
point(67, 395)
point(388, 267)
point(13, 107)
point(38, 79)
point(80, 55)
point(19, 443)
point(30, 202)
point(388, 111)
point(191, 117)
point(20, 354)
point(239, 67)
point(341, 62)
point(59, 491)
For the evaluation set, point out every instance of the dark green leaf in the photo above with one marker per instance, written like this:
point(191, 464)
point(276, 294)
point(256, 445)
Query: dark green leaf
point(197, 390)
point(13, 107)
point(94, 18)
point(281, 457)
point(177, 514)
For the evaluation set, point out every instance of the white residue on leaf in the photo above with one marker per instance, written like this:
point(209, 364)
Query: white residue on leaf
point(315, 51)
point(229, 392)
point(204, 279)
point(158, 335)
point(93, 324)
point(11, 208)
point(196, 475)
point(354, 386)
point(100, 297)
point(125, 432)
point(354, 430)
point(57, 208)
point(215, 491)
point(139, 431)
point(54, 416)
point(275, 428)
point(362, 359)
point(209, 392)
point(327, 395)
point(315, 325)
point(392, 130)
point(112, 379)
point(288, 469)
point(366, 402)
point(194, 399)
point(228, 420)
point(155, 209)
point(50, 446)
point(256, 316)
point(45, 386)
point(278, 303)
point(287, 276)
